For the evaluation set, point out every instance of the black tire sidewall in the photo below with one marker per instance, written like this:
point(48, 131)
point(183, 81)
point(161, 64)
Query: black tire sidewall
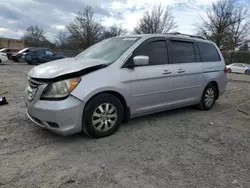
point(229, 70)
point(204, 106)
point(35, 62)
point(90, 108)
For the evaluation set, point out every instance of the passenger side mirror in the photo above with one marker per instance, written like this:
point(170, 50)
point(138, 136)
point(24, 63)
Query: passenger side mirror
point(141, 60)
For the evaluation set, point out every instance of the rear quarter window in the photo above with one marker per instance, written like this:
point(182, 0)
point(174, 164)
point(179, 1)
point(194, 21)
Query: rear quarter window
point(208, 52)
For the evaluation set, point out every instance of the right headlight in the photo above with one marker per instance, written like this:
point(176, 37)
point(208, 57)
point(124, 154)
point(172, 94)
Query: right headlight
point(60, 89)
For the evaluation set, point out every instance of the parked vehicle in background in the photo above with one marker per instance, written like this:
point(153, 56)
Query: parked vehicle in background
point(8, 52)
point(3, 58)
point(19, 54)
point(124, 77)
point(238, 68)
point(41, 55)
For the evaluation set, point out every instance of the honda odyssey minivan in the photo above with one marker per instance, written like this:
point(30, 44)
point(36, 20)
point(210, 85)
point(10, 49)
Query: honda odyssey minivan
point(124, 77)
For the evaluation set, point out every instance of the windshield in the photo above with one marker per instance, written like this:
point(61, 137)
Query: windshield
point(109, 50)
point(21, 51)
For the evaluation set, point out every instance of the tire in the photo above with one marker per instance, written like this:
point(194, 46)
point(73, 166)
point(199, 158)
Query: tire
point(204, 104)
point(229, 70)
point(33, 62)
point(95, 120)
point(29, 62)
point(247, 72)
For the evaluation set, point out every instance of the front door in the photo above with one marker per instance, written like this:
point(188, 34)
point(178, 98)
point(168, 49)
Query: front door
point(188, 71)
point(151, 85)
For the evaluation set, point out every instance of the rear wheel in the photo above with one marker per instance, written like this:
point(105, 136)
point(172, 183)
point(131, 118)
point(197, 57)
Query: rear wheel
point(33, 62)
point(208, 97)
point(229, 70)
point(102, 115)
point(247, 72)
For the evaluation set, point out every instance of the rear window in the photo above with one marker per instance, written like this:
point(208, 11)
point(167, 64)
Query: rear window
point(182, 52)
point(208, 52)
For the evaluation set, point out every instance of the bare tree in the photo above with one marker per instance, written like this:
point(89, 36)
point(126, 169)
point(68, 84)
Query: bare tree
point(158, 20)
point(244, 47)
point(34, 36)
point(239, 30)
point(113, 31)
point(86, 27)
point(226, 24)
point(61, 38)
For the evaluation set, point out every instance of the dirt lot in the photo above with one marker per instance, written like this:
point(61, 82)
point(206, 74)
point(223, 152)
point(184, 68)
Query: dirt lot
point(180, 148)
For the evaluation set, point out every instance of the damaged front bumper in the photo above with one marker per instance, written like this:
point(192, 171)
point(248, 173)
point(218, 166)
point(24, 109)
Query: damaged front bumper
point(63, 117)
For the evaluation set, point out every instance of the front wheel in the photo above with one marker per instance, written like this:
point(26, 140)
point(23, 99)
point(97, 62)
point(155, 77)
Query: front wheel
point(208, 97)
point(102, 115)
point(229, 70)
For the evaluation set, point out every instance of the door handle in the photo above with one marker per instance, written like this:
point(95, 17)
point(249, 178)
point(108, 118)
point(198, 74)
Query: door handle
point(180, 71)
point(167, 72)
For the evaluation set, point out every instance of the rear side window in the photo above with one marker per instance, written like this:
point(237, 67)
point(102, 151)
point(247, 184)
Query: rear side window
point(47, 52)
point(40, 52)
point(238, 65)
point(182, 52)
point(156, 51)
point(208, 52)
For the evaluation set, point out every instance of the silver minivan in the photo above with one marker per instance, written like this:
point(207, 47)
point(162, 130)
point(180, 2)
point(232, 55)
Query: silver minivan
point(124, 77)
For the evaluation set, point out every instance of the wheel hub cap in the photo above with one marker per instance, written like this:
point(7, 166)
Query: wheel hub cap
point(209, 97)
point(104, 117)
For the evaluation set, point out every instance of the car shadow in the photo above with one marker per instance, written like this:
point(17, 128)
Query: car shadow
point(41, 132)
point(162, 114)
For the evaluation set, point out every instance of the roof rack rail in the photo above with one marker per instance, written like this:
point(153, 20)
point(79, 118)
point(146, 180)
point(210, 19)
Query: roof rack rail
point(193, 36)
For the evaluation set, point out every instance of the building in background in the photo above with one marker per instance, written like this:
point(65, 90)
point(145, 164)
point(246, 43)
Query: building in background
point(11, 43)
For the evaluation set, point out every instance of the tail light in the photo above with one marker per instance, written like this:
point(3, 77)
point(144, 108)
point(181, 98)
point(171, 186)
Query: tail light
point(225, 70)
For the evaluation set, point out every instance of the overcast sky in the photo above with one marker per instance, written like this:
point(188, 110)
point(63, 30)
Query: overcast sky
point(54, 15)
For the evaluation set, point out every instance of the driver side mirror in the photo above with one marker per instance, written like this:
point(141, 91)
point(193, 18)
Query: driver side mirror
point(141, 60)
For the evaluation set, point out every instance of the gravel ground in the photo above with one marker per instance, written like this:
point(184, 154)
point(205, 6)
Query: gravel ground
point(180, 148)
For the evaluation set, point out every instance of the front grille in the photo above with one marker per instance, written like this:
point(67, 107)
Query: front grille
point(33, 83)
point(33, 87)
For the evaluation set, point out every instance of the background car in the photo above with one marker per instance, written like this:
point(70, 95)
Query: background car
point(3, 58)
point(19, 54)
point(8, 52)
point(41, 55)
point(239, 68)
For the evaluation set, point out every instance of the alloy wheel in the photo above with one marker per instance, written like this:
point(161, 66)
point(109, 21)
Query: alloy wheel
point(209, 97)
point(104, 117)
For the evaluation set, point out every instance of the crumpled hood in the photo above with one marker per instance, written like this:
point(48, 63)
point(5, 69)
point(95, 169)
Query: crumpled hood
point(61, 67)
